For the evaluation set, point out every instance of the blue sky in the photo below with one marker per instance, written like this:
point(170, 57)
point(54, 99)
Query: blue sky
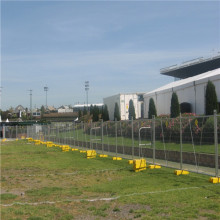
point(117, 46)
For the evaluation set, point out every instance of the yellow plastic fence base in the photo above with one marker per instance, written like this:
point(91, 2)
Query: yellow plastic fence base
point(29, 139)
point(65, 148)
point(116, 158)
point(214, 180)
point(154, 166)
point(130, 162)
point(181, 172)
point(139, 165)
point(37, 142)
point(103, 155)
point(82, 151)
point(4, 140)
point(75, 149)
point(49, 144)
point(140, 170)
point(90, 154)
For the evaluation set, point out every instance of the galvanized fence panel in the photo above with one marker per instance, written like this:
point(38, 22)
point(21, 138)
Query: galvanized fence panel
point(189, 142)
point(198, 144)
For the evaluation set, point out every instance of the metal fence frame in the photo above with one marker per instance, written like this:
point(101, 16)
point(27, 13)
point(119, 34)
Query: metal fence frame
point(69, 133)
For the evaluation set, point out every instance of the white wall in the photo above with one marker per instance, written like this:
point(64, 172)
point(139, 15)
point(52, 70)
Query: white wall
point(110, 102)
point(123, 103)
point(191, 92)
point(62, 110)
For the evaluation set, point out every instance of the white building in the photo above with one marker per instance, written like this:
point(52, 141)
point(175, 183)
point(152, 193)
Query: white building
point(191, 90)
point(123, 104)
point(65, 109)
point(81, 107)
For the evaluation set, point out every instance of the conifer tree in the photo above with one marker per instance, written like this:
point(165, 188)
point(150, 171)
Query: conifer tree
point(79, 113)
point(211, 101)
point(175, 106)
point(84, 111)
point(117, 115)
point(152, 109)
point(95, 114)
point(91, 110)
point(131, 110)
point(105, 114)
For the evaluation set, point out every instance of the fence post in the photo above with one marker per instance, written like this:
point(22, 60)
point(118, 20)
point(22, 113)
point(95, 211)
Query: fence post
point(102, 135)
point(74, 142)
point(216, 142)
point(116, 137)
point(3, 131)
point(82, 130)
point(153, 118)
point(132, 136)
point(16, 131)
point(181, 144)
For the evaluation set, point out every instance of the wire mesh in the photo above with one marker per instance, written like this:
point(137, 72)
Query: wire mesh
point(186, 142)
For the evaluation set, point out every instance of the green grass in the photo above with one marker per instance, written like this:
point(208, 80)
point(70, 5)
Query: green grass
point(71, 181)
point(7, 196)
point(124, 141)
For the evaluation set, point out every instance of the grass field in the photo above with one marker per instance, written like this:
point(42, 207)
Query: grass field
point(45, 183)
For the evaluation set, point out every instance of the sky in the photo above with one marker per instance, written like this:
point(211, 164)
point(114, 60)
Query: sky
point(118, 46)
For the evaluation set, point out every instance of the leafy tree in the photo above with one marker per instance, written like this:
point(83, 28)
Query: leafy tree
point(117, 115)
point(105, 114)
point(131, 110)
point(211, 101)
point(152, 109)
point(175, 106)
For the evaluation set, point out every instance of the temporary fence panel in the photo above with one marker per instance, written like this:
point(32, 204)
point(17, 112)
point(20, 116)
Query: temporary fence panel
point(188, 142)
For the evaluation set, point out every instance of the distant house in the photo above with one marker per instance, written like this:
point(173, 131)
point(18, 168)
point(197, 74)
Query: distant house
point(65, 109)
point(51, 109)
point(19, 110)
point(36, 112)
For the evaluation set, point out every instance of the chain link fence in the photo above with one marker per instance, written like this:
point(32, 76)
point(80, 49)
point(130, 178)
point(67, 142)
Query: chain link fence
point(188, 142)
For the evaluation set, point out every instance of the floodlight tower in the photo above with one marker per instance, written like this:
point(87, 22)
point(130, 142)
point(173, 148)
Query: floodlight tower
point(30, 102)
point(46, 89)
point(87, 91)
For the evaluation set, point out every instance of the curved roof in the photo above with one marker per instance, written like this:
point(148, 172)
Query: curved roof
point(214, 74)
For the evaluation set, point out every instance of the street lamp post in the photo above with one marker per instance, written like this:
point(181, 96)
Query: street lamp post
point(30, 102)
point(46, 89)
point(87, 90)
